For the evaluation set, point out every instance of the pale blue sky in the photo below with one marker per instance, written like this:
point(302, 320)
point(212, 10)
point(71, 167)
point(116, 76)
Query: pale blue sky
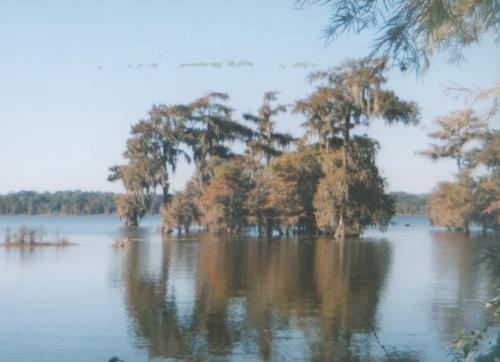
point(71, 83)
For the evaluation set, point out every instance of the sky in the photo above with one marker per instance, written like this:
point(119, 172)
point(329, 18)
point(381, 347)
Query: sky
point(75, 75)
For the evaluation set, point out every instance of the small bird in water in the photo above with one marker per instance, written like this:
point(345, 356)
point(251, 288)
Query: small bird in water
point(407, 225)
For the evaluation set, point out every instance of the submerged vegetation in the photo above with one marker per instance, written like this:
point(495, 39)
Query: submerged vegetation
point(279, 184)
point(31, 237)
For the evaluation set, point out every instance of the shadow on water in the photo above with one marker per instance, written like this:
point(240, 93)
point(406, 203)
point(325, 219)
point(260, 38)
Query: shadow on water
point(294, 299)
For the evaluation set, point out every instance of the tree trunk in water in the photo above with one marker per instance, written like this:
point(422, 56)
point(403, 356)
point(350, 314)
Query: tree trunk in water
point(132, 220)
point(343, 224)
point(164, 204)
point(164, 197)
point(201, 179)
point(269, 229)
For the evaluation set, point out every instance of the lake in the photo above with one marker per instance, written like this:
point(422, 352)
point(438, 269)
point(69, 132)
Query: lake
point(404, 294)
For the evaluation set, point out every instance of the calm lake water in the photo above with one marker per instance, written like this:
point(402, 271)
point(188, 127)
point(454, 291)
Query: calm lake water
point(405, 293)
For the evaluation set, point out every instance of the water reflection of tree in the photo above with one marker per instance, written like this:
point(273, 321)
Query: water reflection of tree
point(349, 277)
point(154, 319)
point(278, 299)
point(28, 255)
point(464, 283)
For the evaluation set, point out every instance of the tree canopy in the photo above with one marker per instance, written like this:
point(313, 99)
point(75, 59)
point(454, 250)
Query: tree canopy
point(454, 131)
point(266, 142)
point(326, 182)
point(411, 32)
point(350, 96)
point(471, 198)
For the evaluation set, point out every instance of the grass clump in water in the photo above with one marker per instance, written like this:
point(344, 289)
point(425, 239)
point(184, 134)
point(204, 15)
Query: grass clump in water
point(31, 237)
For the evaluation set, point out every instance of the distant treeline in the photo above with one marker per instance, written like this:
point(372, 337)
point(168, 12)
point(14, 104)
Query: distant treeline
point(61, 203)
point(93, 203)
point(410, 204)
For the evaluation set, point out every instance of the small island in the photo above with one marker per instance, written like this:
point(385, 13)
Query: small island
point(26, 237)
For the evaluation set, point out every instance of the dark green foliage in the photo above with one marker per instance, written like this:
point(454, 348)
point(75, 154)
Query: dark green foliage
point(61, 202)
point(409, 204)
